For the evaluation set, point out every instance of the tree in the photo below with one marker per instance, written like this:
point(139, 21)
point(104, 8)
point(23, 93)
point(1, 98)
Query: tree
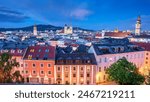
point(124, 73)
point(7, 65)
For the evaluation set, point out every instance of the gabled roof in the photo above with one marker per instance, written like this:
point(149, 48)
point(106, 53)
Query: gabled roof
point(40, 52)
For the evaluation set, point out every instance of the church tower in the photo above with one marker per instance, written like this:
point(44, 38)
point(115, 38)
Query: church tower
point(138, 26)
point(34, 30)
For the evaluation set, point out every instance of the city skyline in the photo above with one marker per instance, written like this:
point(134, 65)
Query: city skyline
point(96, 15)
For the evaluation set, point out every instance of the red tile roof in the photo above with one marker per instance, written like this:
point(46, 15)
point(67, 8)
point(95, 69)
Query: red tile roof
point(117, 34)
point(146, 46)
point(40, 52)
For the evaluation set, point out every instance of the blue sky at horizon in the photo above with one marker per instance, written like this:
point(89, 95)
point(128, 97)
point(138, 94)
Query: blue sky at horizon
point(90, 14)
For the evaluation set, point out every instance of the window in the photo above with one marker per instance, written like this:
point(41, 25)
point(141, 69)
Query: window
point(47, 50)
point(12, 51)
point(146, 58)
point(26, 72)
point(100, 60)
point(105, 60)
point(49, 65)
point(19, 51)
point(33, 65)
point(146, 62)
point(104, 77)
point(74, 75)
point(39, 50)
point(29, 57)
point(146, 53)
point(34, 72)
point(88, 68)
point(104, 68)
point(31, 50)
point(88, 82)
point(99, 69)
point(58, 75)
point(42, 65)
point(49, 80)
point(21, 65)
point(58, 68)
point(49, 72)
point(74, 68)
point(135, 56)
point(81, 75)
point(26, 65)
point(42, 72)
point(88, 75)
point(82, 68)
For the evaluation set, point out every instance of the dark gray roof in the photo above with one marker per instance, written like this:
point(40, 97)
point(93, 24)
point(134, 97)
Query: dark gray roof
point(109, 46)
point(75, 59)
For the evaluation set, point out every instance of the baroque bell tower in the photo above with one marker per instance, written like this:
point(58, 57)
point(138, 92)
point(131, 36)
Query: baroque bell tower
point(138, 26)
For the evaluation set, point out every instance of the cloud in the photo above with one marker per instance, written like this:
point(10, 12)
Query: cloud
point(8, 15)
point(80, 13)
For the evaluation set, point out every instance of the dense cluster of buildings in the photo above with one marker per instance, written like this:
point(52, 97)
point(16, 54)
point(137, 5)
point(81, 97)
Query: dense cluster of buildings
point(80, 57)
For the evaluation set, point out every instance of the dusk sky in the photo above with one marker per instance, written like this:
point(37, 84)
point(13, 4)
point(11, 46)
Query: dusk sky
point(91, 14)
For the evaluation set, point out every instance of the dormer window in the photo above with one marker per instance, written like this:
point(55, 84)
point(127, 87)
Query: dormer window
point(29, 57)
point(12, 51)
point(39, 50)
point(32, 50)
point(19, 51)
point(47, 50)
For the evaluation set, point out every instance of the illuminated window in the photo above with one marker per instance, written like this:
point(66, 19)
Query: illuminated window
point(29, 57)
point(31, 50)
